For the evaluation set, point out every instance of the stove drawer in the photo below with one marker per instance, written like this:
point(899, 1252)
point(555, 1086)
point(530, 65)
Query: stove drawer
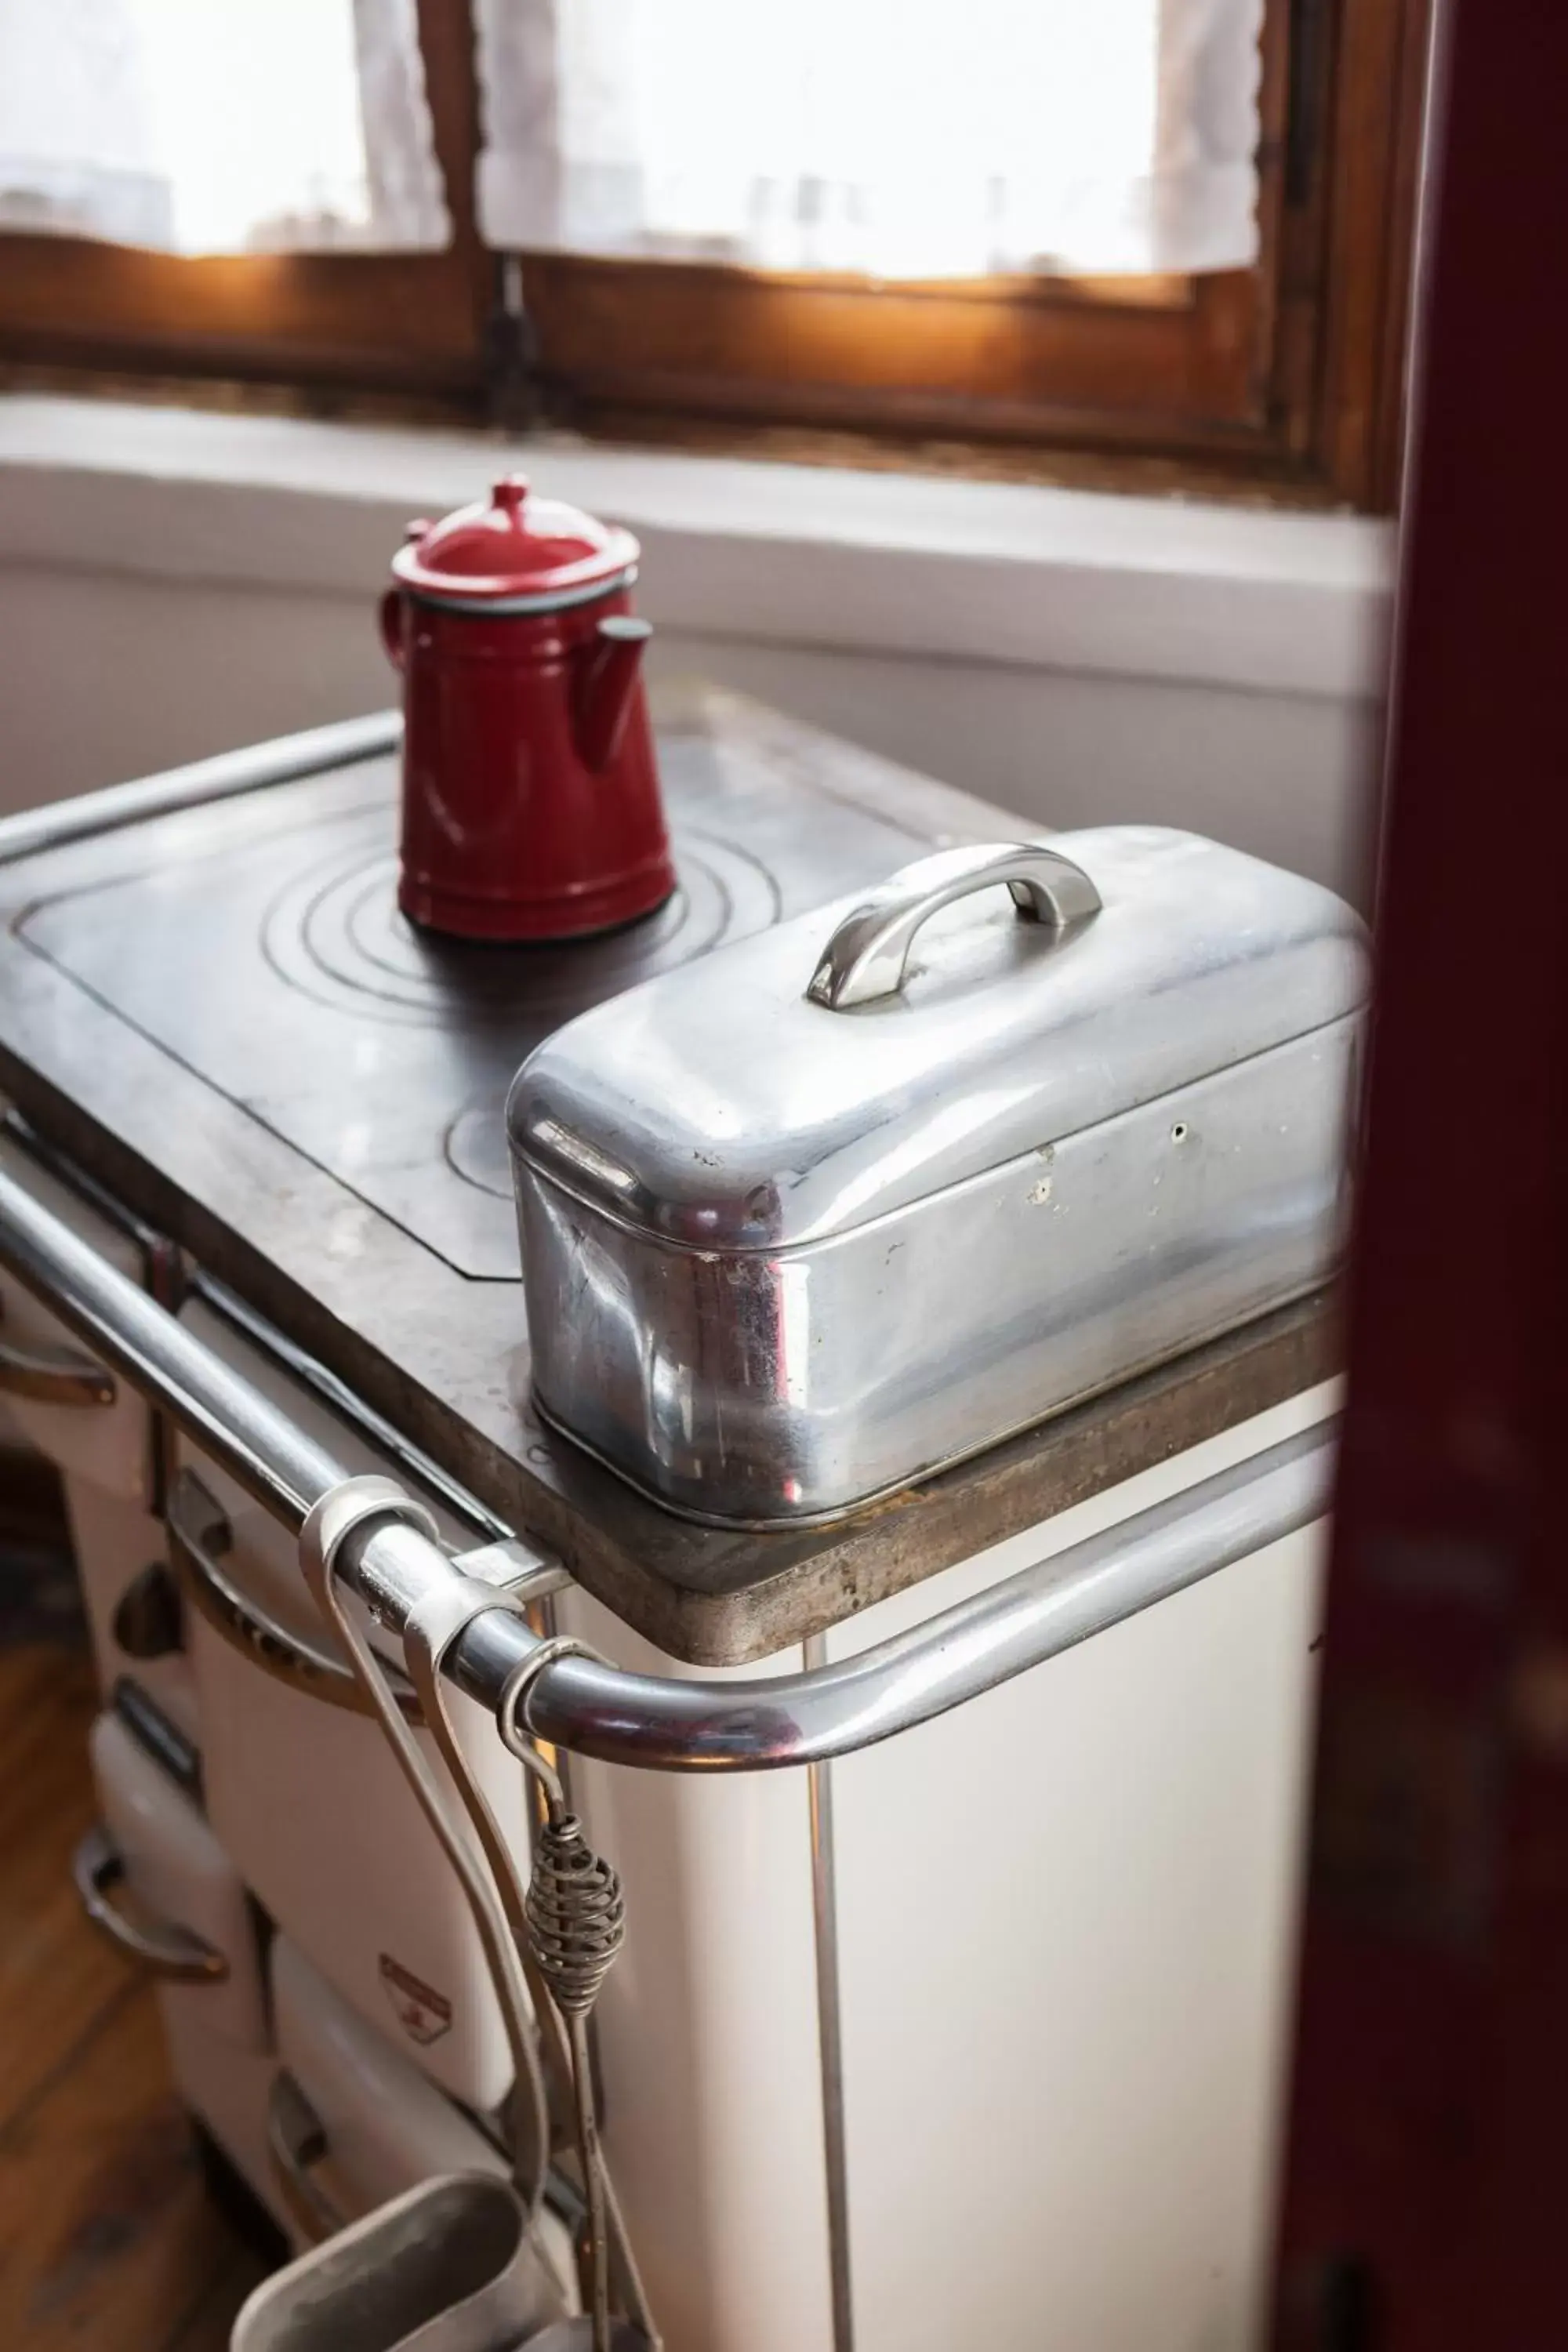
point(354, 2124)
point(72, 1407)
point(184, 1912)
point(384, 2126)
point(302, 1789)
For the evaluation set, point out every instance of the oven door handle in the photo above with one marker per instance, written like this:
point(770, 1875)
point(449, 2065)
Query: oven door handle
point(53, 1375)
point(296, 2144)
point(160, 1946)
point(199, 1533)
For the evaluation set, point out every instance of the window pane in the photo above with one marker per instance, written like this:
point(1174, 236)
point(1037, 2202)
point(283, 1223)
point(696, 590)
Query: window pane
point(217, 126)
point(897, 138)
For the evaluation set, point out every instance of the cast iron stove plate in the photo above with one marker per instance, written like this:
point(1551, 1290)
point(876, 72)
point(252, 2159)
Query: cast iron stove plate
point(279, 968)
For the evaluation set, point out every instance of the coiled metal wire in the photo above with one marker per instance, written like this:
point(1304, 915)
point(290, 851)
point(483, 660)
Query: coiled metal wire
point(577, 1914)
point(576, 1920)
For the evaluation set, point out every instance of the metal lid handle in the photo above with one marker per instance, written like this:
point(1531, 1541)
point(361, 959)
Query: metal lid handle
point(866, 957)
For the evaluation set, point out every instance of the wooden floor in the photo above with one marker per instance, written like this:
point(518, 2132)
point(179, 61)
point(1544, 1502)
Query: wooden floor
point(108, 2240)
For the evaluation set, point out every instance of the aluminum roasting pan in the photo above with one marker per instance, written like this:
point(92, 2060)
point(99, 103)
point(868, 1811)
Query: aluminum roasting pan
point(856, 1197)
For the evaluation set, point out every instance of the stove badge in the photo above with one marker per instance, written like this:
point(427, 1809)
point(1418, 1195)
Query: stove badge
point(424, 2014)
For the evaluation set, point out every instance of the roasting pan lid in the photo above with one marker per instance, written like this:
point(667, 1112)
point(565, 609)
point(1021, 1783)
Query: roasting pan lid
point(870, 1055)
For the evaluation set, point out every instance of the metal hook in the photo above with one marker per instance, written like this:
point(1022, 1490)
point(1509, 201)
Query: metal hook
point(516, 1735)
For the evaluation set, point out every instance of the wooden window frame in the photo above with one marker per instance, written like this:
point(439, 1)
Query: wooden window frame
point(1285, 380)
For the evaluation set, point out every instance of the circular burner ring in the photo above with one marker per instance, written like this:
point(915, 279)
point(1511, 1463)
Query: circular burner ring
point(335, 933)
point(476, 1146)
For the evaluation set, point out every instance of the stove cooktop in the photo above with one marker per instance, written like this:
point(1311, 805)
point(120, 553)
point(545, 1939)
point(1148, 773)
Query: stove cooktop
point(279, 971)
point(217, 1013)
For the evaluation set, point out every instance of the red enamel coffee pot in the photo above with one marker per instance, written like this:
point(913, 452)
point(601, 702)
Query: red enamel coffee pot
point(531, 804)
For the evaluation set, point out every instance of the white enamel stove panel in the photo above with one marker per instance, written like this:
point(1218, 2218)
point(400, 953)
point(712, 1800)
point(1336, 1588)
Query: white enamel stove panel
point(1065, 1918)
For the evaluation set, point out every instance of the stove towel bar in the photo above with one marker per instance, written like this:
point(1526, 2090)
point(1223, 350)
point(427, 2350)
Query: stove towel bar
point(659, 1723)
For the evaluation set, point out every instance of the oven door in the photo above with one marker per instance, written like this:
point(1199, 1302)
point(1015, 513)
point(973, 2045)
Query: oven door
point(156, 1882)
point(301, 1787)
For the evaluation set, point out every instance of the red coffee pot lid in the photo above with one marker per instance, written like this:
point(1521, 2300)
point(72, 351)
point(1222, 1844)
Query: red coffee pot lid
point(515, 552)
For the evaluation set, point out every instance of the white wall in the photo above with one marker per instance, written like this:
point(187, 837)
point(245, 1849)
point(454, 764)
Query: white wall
point(174, 585)
point(1286, 776)
point(106, 676)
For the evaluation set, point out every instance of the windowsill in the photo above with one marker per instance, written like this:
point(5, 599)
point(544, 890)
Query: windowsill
point(1259, 600)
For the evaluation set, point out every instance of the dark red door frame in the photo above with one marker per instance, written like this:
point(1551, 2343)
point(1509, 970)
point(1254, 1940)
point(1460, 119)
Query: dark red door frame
point(1425, 2198)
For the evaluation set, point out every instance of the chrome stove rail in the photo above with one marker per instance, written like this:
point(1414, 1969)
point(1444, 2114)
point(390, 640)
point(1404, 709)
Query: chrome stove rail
point(659, 1723)
point(221, 778)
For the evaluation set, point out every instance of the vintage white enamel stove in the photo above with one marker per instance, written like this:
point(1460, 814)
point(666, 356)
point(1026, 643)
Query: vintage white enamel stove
point(973, 2034)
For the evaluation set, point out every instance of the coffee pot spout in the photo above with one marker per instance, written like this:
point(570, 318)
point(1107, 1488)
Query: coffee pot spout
point(607, 680)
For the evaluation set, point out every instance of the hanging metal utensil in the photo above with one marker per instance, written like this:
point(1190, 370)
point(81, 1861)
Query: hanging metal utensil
point(449, 2266)
point(576, 1918)
point(346, 1507)
point(557, 1941)
point(570, 1926)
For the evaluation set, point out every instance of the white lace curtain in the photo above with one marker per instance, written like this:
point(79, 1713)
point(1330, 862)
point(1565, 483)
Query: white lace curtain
point(218, 126)
point(898, 138)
